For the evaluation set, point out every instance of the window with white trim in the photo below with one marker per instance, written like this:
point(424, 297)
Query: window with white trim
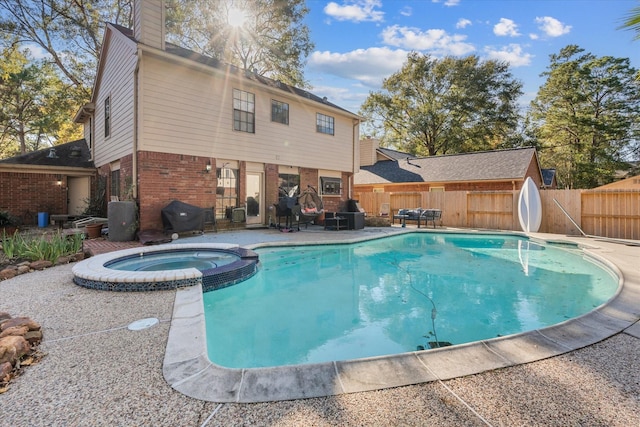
point(244, 111)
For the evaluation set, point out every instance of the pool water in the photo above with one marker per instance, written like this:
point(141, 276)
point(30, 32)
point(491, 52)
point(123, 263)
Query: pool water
point(200, 259)
point(310, 304)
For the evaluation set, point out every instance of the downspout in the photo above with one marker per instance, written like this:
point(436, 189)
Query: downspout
point(134, 157)
point(353, 156)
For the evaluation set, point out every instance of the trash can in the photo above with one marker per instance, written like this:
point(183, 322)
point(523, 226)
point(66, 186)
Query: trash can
point(43, 219)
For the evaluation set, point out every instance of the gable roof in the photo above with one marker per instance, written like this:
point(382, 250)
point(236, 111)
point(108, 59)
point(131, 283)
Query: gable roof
point(72, 154)
point(511, 164)
point(394, 154)
point(214, 63)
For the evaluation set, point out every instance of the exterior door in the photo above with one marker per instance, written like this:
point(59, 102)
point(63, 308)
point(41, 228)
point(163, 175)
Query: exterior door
point(255, 198)
point(79, 191)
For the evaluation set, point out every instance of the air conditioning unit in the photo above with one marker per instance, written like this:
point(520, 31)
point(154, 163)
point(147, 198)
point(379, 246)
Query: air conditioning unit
point(238, 215)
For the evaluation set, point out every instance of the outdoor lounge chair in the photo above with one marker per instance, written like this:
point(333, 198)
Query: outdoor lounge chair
point(310, 205)
point(419, 215)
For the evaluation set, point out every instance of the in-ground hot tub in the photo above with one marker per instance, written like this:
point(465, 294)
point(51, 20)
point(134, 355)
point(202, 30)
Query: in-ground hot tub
point(171, 266)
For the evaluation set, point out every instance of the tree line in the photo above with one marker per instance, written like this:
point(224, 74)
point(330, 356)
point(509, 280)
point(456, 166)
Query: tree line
point(584, 120)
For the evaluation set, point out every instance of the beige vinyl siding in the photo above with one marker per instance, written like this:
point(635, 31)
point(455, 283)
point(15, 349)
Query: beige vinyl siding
point(367, 152)
point(149, 27)
point(117, 83)
point(188, 111)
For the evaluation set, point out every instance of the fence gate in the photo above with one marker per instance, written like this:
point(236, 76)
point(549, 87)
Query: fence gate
point(490, 210)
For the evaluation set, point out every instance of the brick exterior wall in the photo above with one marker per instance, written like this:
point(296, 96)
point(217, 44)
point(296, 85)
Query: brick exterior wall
point(166, 177)
point(26, 194)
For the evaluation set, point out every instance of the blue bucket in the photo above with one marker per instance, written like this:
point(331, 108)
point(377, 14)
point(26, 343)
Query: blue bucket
point(43, 219)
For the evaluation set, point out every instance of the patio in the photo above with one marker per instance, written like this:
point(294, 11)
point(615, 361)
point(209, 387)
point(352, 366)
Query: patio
point(98, 372)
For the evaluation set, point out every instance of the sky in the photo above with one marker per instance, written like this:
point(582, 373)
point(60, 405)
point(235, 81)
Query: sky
point(360, 42)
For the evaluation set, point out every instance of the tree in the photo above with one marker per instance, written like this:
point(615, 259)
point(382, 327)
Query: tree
point(267, 37)
point(632, 22)
point(34, 103)
point(586, 116)
point(442, 106)
point(69, 31)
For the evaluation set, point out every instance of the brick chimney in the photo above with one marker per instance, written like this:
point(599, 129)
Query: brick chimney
point(149, 22)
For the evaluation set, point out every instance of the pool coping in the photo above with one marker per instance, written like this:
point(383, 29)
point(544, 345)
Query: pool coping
point(188, 370)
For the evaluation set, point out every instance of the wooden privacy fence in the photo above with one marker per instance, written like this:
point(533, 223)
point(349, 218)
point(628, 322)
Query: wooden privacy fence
point(606, 213)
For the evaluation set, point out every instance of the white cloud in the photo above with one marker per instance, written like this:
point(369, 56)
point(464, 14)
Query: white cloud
point(447, 2)
point(355, 10)
point(534, 36)
point(368, 66)
point(552, 27)
point(406, 11)
point(434, 41)
point(463, 23)
point(506, 27)
point(513, 54)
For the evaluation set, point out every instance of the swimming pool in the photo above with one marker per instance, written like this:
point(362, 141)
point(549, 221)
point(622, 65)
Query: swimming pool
point(315, 304)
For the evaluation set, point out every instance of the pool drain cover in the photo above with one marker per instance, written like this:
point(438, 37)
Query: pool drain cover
point(141, 324)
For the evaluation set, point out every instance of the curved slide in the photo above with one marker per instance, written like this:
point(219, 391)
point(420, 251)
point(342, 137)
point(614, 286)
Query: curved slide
point(529, 207)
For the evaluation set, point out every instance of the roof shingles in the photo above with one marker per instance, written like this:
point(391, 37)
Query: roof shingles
point(478, 166)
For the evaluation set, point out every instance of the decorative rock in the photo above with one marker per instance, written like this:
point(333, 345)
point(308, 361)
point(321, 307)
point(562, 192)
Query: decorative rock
point(20, 321)
point(16, 340)
point(40, 264)
point(23, 269)
point(8, 274)
point(13, 348)
point(33, 337)
point(62, 260)
point(15, 331)
point(5, 369)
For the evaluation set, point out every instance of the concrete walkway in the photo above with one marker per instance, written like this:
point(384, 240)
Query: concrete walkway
point(98, 372)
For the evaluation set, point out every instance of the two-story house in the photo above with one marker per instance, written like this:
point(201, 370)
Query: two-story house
point(165, 123)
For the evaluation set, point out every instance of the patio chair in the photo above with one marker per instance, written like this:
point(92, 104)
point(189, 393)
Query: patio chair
point(311, 205)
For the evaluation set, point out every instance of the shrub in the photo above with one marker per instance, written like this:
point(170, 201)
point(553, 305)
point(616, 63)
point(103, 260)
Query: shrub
point(47, 247)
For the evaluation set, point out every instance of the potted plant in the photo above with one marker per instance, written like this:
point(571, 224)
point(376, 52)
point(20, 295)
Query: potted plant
point(8, 223)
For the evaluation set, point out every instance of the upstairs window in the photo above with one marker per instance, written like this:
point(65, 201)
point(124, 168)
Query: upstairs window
point(244, 109)
point(324, 124)
point(279, 112)
point(107, 117)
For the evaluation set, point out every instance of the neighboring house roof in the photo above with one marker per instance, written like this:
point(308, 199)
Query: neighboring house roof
point(631, 183)
point(547, 176)
point(215, 63)
point(72, 154)
point(394, 154)
point(478, 166)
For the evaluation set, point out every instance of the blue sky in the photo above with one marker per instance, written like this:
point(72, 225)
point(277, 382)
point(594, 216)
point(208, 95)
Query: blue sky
point(360, 42)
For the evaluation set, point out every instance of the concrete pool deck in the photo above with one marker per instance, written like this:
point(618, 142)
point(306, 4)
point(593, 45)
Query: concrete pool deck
point(97, 372)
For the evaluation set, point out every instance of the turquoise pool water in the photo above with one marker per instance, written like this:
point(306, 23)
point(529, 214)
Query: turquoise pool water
point(200, 259)
point(320, 303)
